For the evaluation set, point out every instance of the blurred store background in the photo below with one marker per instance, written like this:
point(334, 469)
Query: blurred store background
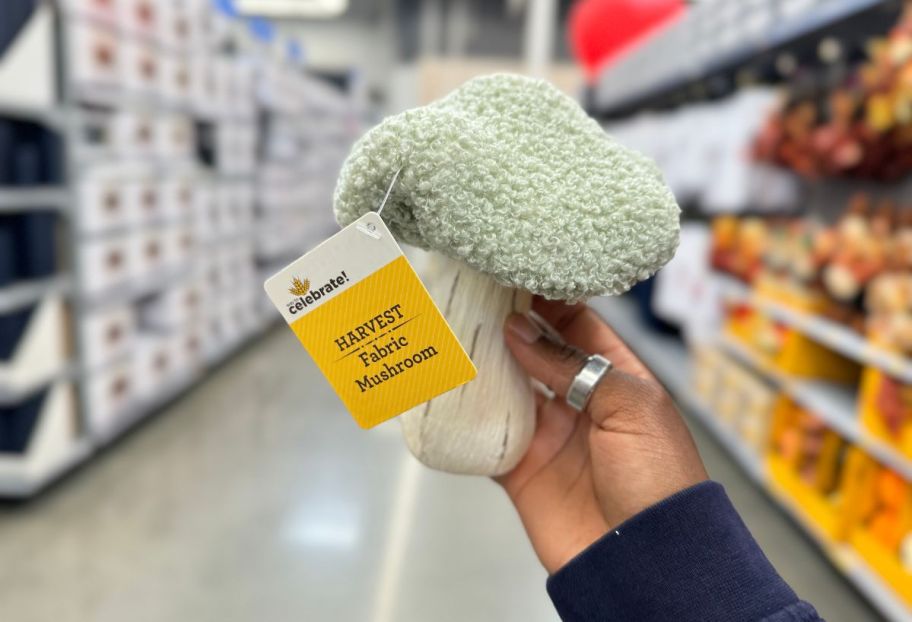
point(168, 451)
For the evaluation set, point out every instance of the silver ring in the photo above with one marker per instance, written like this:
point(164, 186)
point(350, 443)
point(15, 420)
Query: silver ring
point(585, 381)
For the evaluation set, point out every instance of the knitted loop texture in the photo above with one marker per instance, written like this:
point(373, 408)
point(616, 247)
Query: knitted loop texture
point(511, 176)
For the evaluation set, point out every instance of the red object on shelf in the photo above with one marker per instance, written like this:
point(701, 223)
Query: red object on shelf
point(601, 31)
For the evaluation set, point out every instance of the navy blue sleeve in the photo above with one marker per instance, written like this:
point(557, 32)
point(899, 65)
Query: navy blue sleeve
point(689, 557)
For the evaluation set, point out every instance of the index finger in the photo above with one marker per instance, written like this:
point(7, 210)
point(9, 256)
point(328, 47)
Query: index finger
point(582, 327)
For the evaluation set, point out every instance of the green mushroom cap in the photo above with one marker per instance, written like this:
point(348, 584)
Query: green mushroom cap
point(509, 175)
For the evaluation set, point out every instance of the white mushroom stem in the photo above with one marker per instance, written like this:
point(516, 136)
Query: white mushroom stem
point(484, 426)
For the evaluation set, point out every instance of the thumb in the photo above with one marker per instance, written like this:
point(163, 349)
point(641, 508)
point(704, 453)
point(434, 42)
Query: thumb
point(556, 363)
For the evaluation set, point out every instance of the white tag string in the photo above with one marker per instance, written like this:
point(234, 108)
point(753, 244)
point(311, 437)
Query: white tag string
point(370, 230)
point(389, 190)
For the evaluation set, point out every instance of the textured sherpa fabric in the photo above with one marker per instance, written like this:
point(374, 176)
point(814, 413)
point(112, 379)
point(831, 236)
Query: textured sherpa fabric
point(511, 176)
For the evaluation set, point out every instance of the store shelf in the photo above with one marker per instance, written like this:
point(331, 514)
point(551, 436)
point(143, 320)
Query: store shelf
point(826, 332)
point(844, 558)
point(840, 555)
point(93, 122)
point(115, 98)
point(667, 357)
point(817, 19)
point(27, 199)
point(135, 289)
point(872, 586)
point(746, 458)
point(19, 394)
point(832, 403)
point(696, 76)
point(48, 116)
point(141, 409)
point(121, 230)
point(20, 479)
point(839, 338)
point(24, 293)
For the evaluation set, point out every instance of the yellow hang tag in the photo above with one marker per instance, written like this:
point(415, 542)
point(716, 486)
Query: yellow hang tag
point(358, 307)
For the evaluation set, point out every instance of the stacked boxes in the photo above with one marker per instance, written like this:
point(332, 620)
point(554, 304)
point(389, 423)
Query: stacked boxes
point(155, 146)
point(740, 398)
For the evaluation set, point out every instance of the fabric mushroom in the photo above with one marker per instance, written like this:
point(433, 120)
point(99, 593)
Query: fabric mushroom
point(518, 192)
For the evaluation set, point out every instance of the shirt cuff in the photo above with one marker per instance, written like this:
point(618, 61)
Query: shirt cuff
point(689, 557)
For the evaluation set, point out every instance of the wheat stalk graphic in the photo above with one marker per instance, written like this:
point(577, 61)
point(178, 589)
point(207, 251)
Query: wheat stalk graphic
point(299, 287)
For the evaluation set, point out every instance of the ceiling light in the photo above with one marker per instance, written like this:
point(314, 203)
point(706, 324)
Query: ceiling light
point(321, 9)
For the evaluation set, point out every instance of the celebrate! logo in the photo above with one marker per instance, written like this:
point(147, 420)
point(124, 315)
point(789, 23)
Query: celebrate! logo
point(305, 295)
point(299, 287)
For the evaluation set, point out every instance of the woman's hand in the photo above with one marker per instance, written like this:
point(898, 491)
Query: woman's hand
point(586, 473)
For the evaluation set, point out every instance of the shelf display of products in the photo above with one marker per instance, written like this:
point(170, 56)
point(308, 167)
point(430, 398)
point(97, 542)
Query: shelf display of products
point(801, 439)
point(743, 400)
point(790, 150)
point(814, 465)
point(814, 422)
point(832, 434)
point(845, 492)
point(859, 128)
point(130, 198)
point(853, 271)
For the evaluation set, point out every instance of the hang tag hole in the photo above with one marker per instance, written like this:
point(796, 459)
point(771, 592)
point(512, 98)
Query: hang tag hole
point(370, 230)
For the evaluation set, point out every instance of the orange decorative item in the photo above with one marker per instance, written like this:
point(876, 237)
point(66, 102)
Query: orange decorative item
point(881, 536)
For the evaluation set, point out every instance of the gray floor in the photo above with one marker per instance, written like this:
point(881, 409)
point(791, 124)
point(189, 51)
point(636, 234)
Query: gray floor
point(255, 497)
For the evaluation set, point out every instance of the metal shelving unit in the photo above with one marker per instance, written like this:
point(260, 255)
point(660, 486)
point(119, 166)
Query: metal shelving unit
point(826, 332)
point(838, 337)
point(719, 44)
point(133, 291)
point(832, 403)
point(20, 479)
point(51, 117)
point(667, 357)
point(66, 372)
point(19, 200)
point(715, 49)
point(81, 107)
point(24, 293)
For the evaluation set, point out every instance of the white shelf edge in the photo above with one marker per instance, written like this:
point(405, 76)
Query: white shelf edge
point(17, 482)
point(751, 45)
point(32, 198)
point(743, 455)
point(831, 404)
point(872, 586)
point(849, 563)
point(23, 293)
point(46, 115)
point(124, 230)
point(66, 371)
point(134, 289)
point(828, 333)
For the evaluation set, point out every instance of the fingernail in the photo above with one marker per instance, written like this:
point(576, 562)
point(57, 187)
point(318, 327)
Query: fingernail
point(546, 329)
point(522, 326)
